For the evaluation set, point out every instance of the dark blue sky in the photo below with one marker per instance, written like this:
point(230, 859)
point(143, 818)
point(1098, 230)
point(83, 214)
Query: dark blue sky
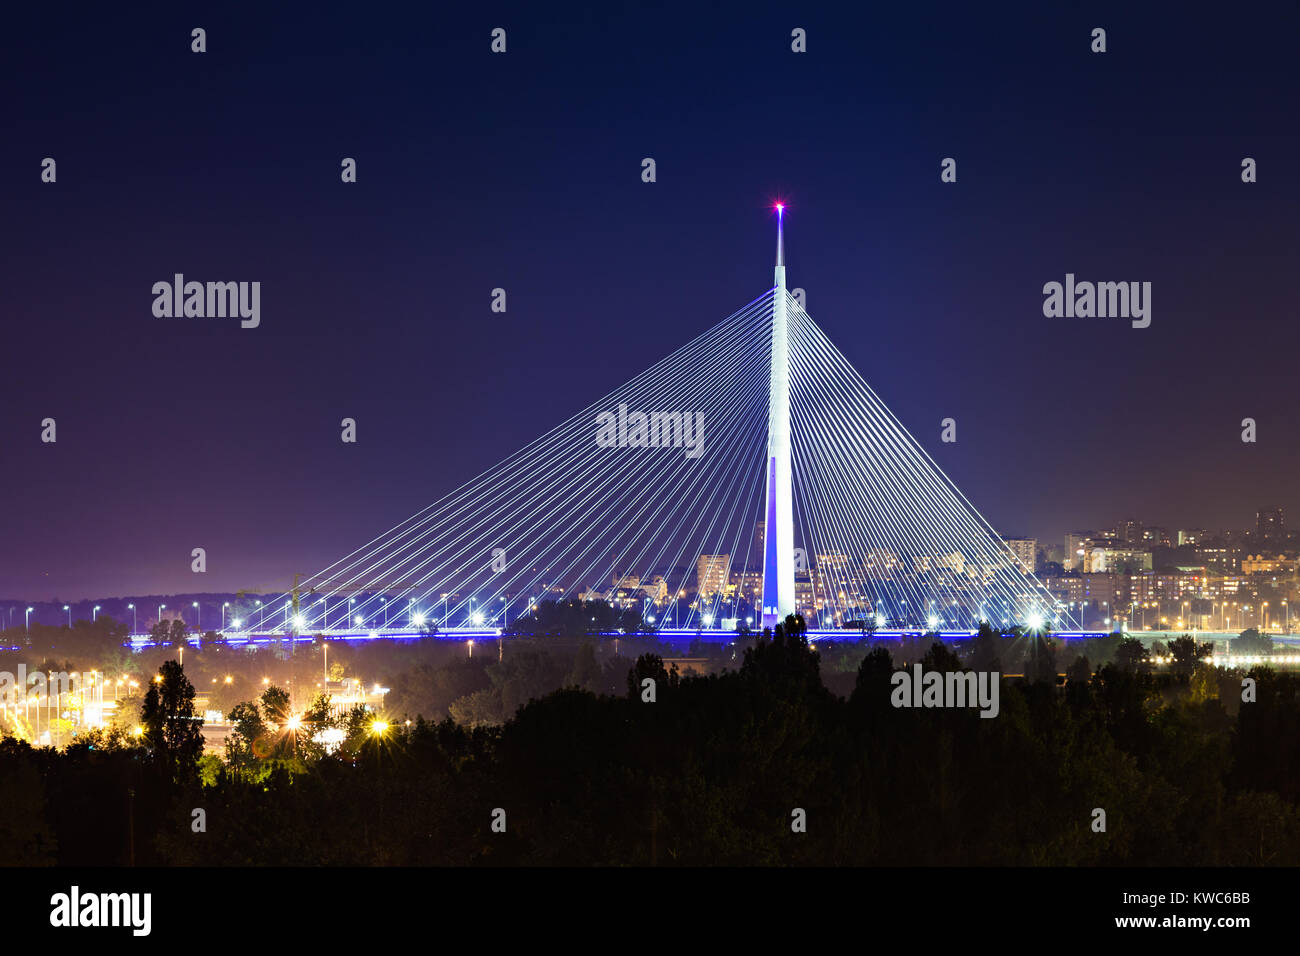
point(523, 171)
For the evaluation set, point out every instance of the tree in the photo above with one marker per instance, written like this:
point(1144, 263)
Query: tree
point(275, 705)
point(1204, 682)
point(1251, 643)
point(26, 838)
point(1186, 653)
point(586, 669)
point(1040, 663)
point(1079, 672)
point(785, 656)
point(248, 727)
point(986, 649)
point(941, 658)
point(652, 666)
point(874, 681)
point(479, 709)
point(172, 728)
point(168, 632)
point(1131, 655)
point(316, 719)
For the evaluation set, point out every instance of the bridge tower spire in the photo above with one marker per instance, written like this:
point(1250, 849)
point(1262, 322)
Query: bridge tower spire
point(778, 523)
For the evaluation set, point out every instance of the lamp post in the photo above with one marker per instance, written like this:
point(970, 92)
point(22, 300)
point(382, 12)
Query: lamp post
point(198, 617)
point(161, 608)
point(223, 616)
point(69, 610)
point(94, 614)
point(27, 620)
point(135, 623)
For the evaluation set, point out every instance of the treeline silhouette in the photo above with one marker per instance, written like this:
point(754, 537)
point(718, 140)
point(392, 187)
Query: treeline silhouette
point(711, 771)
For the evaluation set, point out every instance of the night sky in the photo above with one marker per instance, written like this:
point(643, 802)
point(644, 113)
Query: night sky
point(523, 171)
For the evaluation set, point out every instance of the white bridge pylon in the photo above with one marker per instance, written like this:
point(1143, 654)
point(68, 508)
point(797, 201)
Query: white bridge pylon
point(778, 516)
point(750, 474)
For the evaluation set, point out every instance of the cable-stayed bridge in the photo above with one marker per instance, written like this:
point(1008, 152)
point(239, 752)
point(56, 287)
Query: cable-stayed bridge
point(751, 474)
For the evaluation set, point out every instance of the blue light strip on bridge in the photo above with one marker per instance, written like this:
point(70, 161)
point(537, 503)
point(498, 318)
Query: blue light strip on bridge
point(243, 638)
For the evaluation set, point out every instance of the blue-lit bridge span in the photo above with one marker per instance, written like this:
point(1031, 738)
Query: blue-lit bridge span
point(468, 634)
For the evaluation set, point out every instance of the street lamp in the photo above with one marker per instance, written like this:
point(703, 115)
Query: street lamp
point(69, 610)
point(198, 617)
point(135, 624)
point(94, 614)
point(223, 616)
point(161, 608)
point(27, 620)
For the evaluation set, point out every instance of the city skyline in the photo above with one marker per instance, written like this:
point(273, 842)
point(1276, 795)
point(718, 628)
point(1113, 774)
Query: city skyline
point(1247, 539)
